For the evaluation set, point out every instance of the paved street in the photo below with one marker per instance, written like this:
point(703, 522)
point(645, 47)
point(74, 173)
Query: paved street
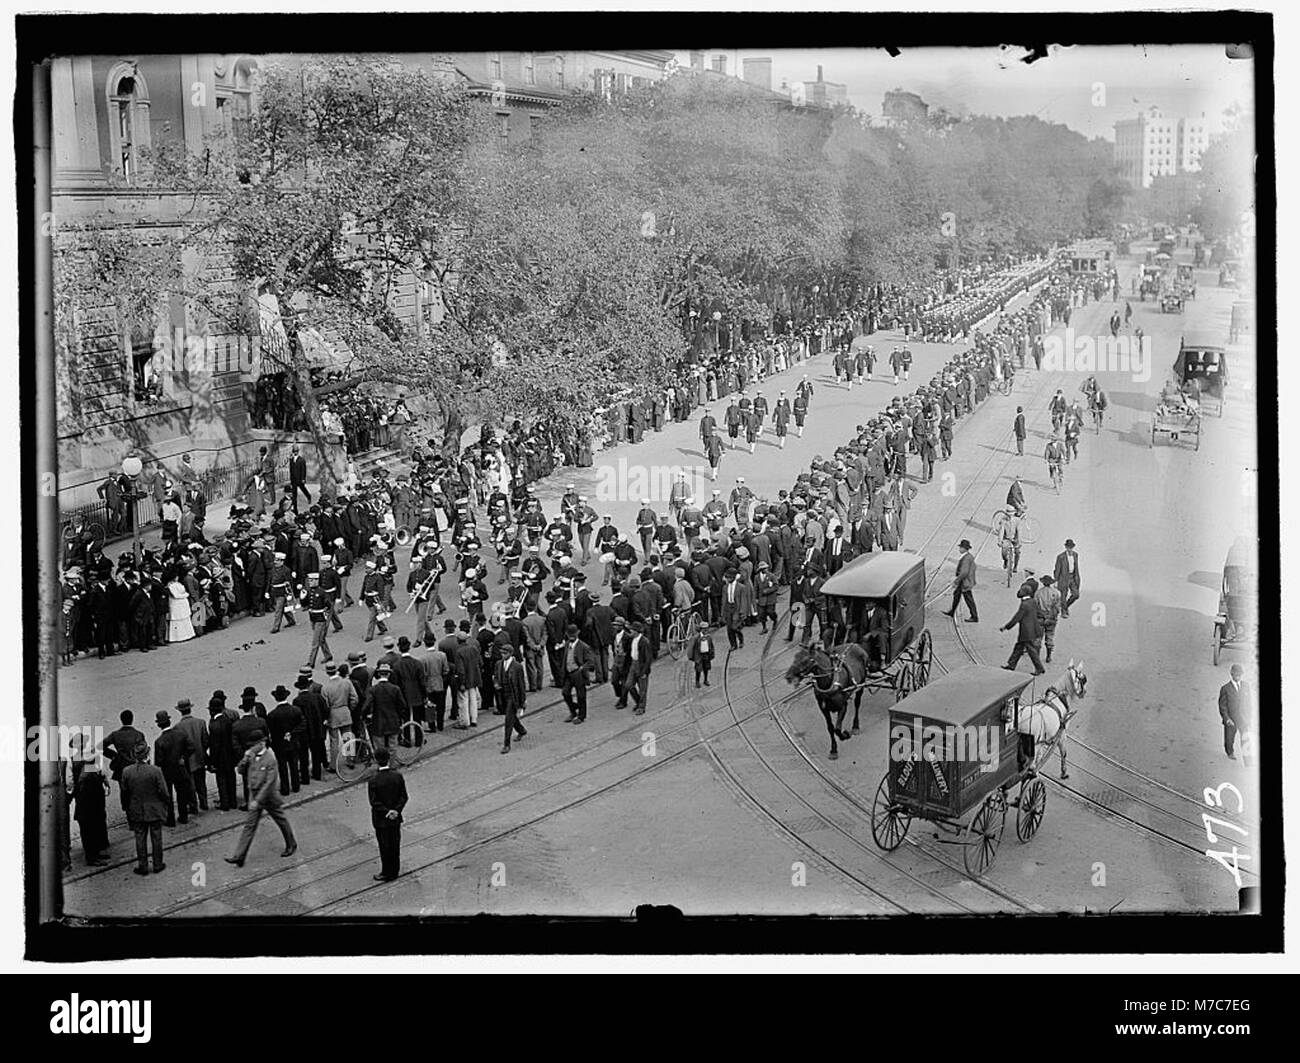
point(721, 801)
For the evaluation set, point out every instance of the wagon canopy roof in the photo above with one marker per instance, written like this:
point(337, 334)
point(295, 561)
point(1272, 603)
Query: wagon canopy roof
point(1241, 554)
point(875, 575)
point(1202, 340)
point(962, 694)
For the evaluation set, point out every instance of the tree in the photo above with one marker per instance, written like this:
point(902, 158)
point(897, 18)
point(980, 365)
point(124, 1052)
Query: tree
point(342, 182)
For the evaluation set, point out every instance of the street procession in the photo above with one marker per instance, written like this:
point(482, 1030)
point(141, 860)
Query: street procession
point(725, 537)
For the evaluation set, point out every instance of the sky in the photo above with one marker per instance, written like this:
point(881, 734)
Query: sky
point(1088, 88)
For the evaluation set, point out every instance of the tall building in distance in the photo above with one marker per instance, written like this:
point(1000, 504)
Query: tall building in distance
point(1156, 145)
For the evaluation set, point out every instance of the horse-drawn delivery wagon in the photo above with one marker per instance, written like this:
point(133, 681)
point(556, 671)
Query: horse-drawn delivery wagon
point(958, 746)
point(888, 646)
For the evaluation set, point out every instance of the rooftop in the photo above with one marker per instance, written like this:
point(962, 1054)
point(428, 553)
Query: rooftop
point(875, 575)
point(962, 694)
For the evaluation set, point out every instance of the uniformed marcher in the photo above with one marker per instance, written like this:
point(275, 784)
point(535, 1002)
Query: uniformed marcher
point(319, 609)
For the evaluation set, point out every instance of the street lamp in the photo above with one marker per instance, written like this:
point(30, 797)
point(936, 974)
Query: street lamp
point(131, 468)
point(717, 333)
point(816, 288)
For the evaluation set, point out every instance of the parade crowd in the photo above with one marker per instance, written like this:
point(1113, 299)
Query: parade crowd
point(708, 564)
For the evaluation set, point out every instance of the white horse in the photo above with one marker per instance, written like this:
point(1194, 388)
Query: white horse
point(1045, 719)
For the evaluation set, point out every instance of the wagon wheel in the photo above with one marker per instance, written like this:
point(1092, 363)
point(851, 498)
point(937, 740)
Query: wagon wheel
point(1029, 814)
point(924, 658)
point(889, 822)
point(984, 834)
point(1219, 632)
point(904, 681)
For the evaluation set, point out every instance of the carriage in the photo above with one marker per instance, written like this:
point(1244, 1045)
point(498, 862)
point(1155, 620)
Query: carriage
point(1171, 302)
point(1201, 369)
point(884, 607)
point(1237, 621)
point(882, 596)
point(955, 749)
point(1187, 280)
point(1177, 416)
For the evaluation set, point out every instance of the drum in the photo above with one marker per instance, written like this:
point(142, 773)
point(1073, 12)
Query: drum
point(606, 557)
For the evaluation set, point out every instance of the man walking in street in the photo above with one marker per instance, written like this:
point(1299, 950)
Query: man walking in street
point(1067, 577)
point(1234, 712)
point(1026, 619)
point(578, 667)
point(963, 584)
point(387, 791)
point(1048, 601)
point(262, 775)
point(638, 667)
point(737, 607)
point(320, 607)
point(511, 692)
point(1020, 431)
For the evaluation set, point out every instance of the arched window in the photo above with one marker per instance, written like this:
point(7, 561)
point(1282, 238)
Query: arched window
point(235, 94)
point(128, 118)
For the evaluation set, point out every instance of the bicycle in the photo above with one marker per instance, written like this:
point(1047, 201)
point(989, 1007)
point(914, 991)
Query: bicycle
point(1028, 525)
point(357, 752)
point(684, 627)
point(1058, 475)
point(1010, 559)
point(1003, 386)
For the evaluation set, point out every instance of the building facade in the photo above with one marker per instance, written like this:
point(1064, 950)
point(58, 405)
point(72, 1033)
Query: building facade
point(1156, 145)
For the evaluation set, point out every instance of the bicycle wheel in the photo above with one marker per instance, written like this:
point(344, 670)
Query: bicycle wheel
point(999, 518)
point(355, 758)
point(676, 639)
point(1028, 530)
point(410, 743)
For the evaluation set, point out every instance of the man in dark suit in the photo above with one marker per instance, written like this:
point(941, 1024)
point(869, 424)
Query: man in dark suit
point(298, 477)
point(387, 791)
point(120, 748)
point(1234, 711)
point(598, 633)
point(197, 732)
point(963, 584)
point(836, 552)
point(1028, 635)
point(384, 709)
point(512, 695)
point(247, 731)
point(1066, 575)
point(288, 728)
point(577, 668)
point(737, 607)
point(557, 620)
point(408, 673)
point(639, 658)
point(1020, 430)
point(171, 753)
point(223, 754)
point(148, 804)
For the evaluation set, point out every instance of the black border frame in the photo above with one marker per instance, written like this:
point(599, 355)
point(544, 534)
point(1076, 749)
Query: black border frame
point(665, 931)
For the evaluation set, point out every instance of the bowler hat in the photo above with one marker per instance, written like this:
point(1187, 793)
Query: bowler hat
point(280, 692)
point(1069, 544)
point(163, 717)
point(249, 692)
point(964, 544)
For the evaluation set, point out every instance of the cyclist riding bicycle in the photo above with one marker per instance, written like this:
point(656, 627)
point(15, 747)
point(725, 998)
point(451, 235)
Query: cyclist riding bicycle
point(1016, 497)
point(1055, 455)
point(1009, 544)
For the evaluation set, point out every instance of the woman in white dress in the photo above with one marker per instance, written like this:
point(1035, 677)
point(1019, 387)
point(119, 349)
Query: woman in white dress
point(180, 628)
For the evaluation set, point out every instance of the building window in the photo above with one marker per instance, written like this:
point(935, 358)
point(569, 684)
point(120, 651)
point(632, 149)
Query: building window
point(530, 68)
point(494, 65)
point(559, 71)
point(128, 100)
point(534, 124)
point(503, 125)
point(128, 118)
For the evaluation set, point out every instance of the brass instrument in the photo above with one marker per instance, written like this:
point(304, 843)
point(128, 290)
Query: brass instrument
point(423, 589)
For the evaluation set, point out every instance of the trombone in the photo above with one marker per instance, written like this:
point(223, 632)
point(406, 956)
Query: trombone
point(423, 589)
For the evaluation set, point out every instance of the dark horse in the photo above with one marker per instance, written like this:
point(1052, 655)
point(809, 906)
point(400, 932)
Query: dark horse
point(833, 679)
